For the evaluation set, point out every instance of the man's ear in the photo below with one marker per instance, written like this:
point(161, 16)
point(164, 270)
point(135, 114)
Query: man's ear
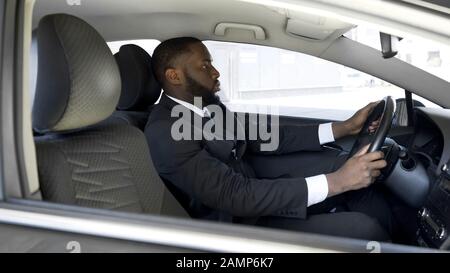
point(173, 76)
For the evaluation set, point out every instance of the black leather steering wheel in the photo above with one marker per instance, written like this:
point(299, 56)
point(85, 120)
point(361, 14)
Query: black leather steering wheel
point(385, 110)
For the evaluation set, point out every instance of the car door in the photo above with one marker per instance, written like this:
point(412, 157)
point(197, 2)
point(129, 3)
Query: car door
point(28, 224)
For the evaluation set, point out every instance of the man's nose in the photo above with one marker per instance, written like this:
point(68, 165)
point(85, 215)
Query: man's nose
point(215, 73)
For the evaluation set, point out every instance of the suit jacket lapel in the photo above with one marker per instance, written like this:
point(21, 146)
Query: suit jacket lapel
point(239, 130)
point(220, 146)
point(167, 102)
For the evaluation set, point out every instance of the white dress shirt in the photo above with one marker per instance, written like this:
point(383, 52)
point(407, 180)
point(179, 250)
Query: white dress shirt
point(201, 112)
point(317, 185)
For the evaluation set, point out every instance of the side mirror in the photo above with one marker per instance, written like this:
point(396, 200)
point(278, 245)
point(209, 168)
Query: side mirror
point(401, 112)
point(389, 45)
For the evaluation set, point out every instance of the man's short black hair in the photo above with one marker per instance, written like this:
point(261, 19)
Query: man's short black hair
point(167, 52)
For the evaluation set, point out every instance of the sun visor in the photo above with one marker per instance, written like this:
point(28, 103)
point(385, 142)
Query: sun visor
point(315, 27)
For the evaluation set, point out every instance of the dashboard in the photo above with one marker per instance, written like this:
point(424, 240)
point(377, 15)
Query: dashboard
point(431, 130)
point(430, 144)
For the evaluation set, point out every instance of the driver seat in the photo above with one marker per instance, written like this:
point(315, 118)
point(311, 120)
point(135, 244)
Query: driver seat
point(82, 161)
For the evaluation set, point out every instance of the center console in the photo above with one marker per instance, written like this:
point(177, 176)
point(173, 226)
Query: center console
point(434, 216)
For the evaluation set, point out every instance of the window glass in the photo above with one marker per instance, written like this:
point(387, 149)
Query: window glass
point(425, 54)
point(148, 44)
point(297, 84)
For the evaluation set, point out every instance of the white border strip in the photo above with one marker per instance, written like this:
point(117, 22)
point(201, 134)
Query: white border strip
point(150, 234)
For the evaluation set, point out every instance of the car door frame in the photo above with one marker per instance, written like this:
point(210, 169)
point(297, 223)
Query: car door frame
point(112, 231)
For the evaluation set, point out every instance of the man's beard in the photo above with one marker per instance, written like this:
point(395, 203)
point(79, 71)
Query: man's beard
point(198, 90)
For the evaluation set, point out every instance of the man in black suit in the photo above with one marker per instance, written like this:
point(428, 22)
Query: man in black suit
point(213, 180)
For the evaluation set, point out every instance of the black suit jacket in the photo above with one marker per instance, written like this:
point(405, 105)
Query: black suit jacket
point(215, 175)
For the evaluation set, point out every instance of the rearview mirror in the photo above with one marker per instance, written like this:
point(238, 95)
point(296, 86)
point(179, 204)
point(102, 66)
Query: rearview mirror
point(388, 45)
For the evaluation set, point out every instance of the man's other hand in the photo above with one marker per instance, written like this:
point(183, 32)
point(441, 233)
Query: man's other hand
point(353, 125)
point(358, 172)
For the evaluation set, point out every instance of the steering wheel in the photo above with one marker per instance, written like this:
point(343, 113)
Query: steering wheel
point(385, 110)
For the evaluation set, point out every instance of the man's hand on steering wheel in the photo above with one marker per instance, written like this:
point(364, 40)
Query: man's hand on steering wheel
point(358, 172)
point(353, 125)
point(365, 159)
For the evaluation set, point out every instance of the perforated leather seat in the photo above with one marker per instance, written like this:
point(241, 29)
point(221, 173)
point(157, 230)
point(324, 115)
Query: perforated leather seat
point(81, 160)
point(140, 90)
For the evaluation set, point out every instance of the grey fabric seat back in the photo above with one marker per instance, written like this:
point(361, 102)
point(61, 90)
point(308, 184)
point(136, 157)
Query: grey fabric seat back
point(134, 118)
point(140, 90)
point(81, 160)
point(99, 168)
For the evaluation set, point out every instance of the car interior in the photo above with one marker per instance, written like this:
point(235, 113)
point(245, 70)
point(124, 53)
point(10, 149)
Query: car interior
point(90, 106)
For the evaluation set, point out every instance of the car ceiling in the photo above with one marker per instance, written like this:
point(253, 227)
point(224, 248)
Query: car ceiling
point(144, 19)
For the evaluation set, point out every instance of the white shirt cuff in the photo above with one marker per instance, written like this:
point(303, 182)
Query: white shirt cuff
point(325, 133)
point(317, 189)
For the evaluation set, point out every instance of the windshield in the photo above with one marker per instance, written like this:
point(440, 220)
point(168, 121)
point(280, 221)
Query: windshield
point(427, 55)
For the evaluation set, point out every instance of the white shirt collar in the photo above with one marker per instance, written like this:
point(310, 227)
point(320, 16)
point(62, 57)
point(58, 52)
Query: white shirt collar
point(195, 109)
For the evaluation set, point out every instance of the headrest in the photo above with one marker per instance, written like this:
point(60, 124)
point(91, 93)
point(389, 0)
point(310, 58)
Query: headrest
point(139, 86)
point(78, 81)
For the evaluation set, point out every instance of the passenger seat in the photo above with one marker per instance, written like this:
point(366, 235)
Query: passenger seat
point(81, 160)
